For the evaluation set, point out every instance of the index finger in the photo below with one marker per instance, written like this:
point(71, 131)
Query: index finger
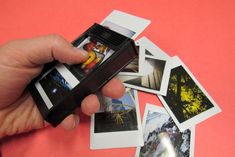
point(44, 49)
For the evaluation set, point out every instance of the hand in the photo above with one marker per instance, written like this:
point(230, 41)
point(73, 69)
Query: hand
point(23, 60)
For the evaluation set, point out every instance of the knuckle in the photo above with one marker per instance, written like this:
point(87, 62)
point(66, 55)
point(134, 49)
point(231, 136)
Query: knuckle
point(56, 39)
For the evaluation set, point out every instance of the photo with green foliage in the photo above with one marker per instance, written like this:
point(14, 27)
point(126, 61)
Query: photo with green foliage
point(184, 97)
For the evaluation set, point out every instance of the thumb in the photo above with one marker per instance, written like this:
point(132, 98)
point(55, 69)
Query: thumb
point(40, 50)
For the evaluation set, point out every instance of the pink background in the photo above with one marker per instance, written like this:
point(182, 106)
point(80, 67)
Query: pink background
point(200, 32)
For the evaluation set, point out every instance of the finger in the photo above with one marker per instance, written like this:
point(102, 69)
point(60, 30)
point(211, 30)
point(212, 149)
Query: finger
point(70, 122)
point(44, 49)
point(114, 89)
point(90, 105)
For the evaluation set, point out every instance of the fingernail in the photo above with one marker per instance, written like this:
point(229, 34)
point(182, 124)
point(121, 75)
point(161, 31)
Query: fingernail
point(81, 51)
point(76, 121)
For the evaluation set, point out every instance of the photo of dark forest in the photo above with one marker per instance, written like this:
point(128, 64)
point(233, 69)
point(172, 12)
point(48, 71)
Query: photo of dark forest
point(125, 120)
point(184, 97)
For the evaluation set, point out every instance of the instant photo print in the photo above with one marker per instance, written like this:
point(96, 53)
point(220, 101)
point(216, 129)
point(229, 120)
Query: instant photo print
point(118, 123)
point(156, 70)
point(162, 138)
point(187, 101)
point(126, 24)
point(60, 88)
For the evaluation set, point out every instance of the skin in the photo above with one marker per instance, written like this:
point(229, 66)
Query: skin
point(23, 60)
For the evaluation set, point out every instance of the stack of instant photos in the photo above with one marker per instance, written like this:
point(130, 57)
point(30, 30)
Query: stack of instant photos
point(165, 131)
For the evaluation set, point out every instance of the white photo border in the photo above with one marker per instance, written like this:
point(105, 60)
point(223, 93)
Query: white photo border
point(176, 62)
point(155, 108)
point(118, 139)
point(164, 81)
point(152, 48)
point(131, 22)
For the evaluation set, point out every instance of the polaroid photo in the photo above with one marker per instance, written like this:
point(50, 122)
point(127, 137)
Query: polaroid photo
point(55, 84)
point(98, 53)
point(150, 48)
point(156, 76)
point(126, 24)
point(187, 101)
point(117, 124)
point(146, 49)
point(162, 138)
point(135, 68)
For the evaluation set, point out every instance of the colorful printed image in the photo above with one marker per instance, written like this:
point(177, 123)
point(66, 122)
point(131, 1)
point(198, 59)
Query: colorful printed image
point(116, 114)
point(163, 139)
point(55, 86)
point(97, 52)
point(184, 97)
point(124, 31)
point(153, 77)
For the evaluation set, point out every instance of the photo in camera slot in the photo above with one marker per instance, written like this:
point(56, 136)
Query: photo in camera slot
point(97, 54)
point(55, 86)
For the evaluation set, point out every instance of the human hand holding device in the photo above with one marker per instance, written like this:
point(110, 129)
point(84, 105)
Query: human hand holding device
point(20, 62)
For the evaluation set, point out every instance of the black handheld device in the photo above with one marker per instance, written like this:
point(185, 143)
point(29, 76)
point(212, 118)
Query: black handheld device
point(60, 88)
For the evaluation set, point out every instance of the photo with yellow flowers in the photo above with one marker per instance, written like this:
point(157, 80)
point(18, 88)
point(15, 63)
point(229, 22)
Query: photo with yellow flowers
point(184, 97)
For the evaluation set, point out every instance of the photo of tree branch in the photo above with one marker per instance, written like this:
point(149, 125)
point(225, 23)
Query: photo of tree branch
point(184, 97)
point(123, 120)
point(118, 114)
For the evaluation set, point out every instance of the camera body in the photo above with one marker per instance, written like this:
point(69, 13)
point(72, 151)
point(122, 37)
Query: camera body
point(60, 88)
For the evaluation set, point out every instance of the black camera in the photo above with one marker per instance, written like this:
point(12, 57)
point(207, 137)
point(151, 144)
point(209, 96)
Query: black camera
point(60, 88)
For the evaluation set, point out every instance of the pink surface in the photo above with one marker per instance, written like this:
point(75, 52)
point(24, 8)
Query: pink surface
point(200, 32)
